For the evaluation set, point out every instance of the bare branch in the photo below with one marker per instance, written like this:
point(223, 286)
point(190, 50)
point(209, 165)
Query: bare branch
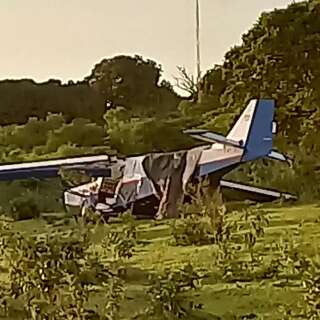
point(186, 82)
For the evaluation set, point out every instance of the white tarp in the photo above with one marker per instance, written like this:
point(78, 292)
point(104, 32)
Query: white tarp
point(134, 184)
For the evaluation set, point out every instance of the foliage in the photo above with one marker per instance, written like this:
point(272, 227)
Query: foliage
point(24, 207)
point(120, 244)
point(142, 111)
point(46, 194)
point(239, 258)
point(262, 66)
point(260, 252)
point(311, 284)
point(167, 294)
point(43, 137)
point(187, 83)
point(306, 270)
point(52, 276)
point(72, 178)
point(22, 99)
point(46, 139)
point(133, 83)
point(132, 136)
point(80, 132)
point(263, 49)
point(142, 116)
point(192, 230)
point(201, 221)
point(254, 225)
point(44, 273)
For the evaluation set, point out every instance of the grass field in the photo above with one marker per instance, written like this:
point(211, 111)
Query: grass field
point(261, 297)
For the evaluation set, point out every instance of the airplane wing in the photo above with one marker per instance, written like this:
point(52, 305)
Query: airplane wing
point(211, 137)
point(279, 156)
point(255, 193)
point(94, 166)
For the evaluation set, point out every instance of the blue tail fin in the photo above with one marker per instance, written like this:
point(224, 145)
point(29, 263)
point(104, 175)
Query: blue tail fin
point(255, 129)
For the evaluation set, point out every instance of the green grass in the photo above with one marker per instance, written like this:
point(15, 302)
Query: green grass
point(156, 252)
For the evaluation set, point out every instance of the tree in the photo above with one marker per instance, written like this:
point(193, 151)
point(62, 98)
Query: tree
point(133, 83)
point(187, 83)
point(280, 63)
point(132, 136)
point(277, 62)
point(22, 99)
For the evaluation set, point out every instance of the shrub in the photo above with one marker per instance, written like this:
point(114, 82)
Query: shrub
point(24, 207)
point(120, 244)
point(201, 221)
point(192, 230)
point(167, 293)
point(51, 276)
point(40, 270)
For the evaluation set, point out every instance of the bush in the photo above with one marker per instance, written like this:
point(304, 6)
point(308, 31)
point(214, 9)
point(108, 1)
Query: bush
point(192, 230)
point(167, 293)
point(24, 207)
point(201, 221)
point(120, 245)
point(51, 276)
point(46, 194)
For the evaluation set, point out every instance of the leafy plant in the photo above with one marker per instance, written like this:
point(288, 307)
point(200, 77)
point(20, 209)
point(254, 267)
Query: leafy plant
point(311, 284)
point(201, 221)
point(239, 238)
point(24, 207)
point(167, 293)
point(120, 244)
point(51, 275)
point(255, 221)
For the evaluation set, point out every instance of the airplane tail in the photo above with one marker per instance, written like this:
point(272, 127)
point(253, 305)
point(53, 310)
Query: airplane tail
point(252, 133)
point(254, 129)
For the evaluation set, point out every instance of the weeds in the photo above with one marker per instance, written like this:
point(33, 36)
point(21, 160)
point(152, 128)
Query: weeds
point(53, 276)
point(120, 244)
point(24, 207)
point(167, 294)
point(201, 222)
point(45, 273)
point(311, 284)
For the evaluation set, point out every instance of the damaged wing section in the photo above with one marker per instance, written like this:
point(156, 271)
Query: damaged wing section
point(163, 177)
point(255, 193)
point(170, 174)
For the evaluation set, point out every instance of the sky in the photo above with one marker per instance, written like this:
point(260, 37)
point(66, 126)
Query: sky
point(64, 39)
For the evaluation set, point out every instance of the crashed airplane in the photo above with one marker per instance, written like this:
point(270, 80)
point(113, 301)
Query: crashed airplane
point(154, 183)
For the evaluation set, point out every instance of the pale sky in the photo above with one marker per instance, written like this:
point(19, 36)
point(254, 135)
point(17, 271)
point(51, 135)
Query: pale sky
point(63, 39)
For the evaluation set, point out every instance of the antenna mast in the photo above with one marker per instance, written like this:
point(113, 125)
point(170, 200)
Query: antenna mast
point(198, 75)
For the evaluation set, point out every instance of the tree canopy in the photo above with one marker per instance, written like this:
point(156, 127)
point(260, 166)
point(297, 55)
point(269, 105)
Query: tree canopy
point(22, 99)
point(279, 58)
point(133, 83)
